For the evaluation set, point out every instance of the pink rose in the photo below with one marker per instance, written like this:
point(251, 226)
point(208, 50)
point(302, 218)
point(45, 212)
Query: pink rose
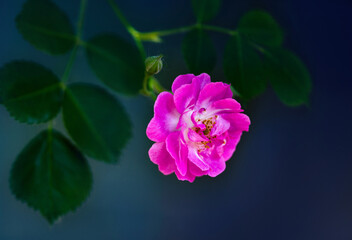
point(196, 130)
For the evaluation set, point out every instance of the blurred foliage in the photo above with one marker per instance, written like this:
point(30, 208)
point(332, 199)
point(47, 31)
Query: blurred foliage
point(96, 121)
point(45, 26)
point(26, 84)
point(199, 51)
point(116, 62)
point(51, 174)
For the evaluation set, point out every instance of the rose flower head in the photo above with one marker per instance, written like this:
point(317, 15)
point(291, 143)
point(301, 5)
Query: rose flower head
point(196, 129)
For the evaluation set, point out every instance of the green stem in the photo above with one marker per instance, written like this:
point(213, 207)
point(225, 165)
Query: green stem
point(218, 29)
point(119, 14)
point(145, 83)
point(82, 11)
point(154, 36)
point(173, 31)
point(69, 65)
point(133, 32)
point(50, 125)
point(72, 58)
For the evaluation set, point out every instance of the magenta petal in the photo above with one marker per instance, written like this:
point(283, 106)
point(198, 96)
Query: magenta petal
point(200, 81)
point(229, 148)
point(156, 130)
point(238, 121)
point(178, 151)
point(184, 97)
point(196, 171)
point(197, 159)
point(220, 126)
point(216, 167)
point(213, 92)
point(227, 105)
point(165, 118)
point(187, 177)
point(160, 156)
point(181, 80)
point(195, 137)
point(164, 106)
point(187, 94)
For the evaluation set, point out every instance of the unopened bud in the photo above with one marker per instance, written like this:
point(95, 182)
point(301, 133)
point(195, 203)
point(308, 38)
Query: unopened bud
point(154, 64)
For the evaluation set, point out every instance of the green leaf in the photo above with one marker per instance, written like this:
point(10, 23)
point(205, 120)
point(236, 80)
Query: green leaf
point(117, 63)
point(199, 52)
point(243, 68)
point(45, 26)
point(205, 10)
point(51, 175)
point(96, 121)
point(261, 27)
point(288, 76)
point(30, 92)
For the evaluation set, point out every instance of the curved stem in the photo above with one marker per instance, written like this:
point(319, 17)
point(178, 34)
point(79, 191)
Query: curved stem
point(218, 29)
point(174, 30)
point(133, 32)
point(69, 65)
point(82, 11)
point(154, 36)
point(121, 17)
point(72, 58)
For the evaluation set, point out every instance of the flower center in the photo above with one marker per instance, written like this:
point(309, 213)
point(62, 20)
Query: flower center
point(203, 128)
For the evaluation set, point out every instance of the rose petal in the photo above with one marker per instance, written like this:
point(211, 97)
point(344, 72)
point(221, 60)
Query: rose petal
point(201, 81)
point(188, 176)
point(196, 170)
point(187, 94)
point(238, 121)
point(165, 118)
point(184, 97)
point(213, 92)
point(195, 137)
point(221, 125)
point(226, 151)
point(160, 156)
point(216, 167)
point(181, 80)
point(164, 106)
point(197, 159)
point(178, 151)
point(157, 131)
point(227, 105)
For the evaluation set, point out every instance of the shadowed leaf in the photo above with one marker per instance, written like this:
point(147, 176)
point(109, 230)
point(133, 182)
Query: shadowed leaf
point(51, 175)
point(288, 76)
point(199, 52)
point(205, 10)
point(243, 68)
point(117, 63)
point(45, 26)
point(96, 121)
point(261, 27)
point(30, 92)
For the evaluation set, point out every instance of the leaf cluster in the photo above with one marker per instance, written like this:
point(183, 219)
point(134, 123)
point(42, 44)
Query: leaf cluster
point(52, 174)
point(253, 56)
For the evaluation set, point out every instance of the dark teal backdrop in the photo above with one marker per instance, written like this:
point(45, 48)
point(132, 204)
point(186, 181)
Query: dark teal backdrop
point(291, 177)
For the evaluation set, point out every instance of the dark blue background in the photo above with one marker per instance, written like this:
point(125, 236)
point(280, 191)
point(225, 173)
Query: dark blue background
point(291, 177)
